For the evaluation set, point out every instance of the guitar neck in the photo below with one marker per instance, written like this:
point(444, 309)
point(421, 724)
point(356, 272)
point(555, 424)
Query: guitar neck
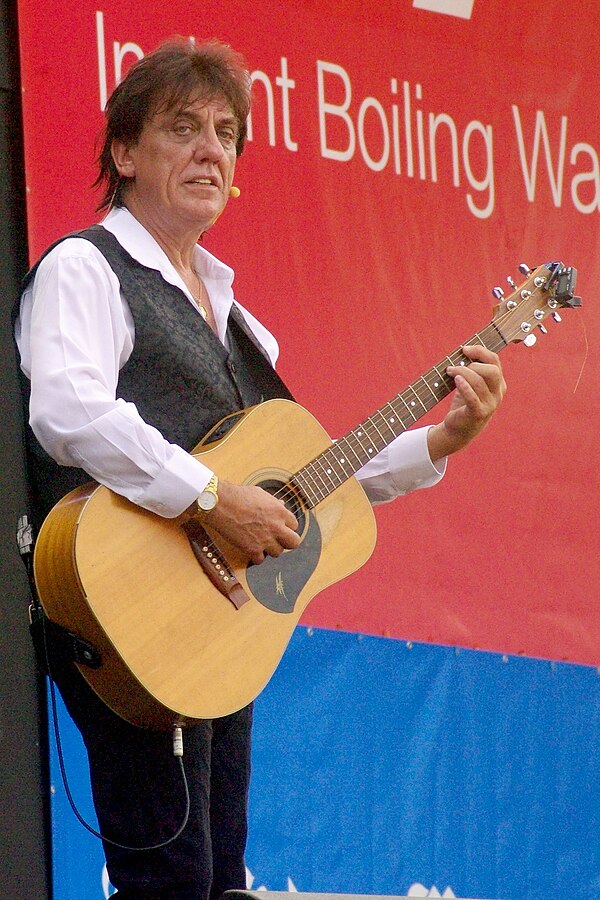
point(326, 472)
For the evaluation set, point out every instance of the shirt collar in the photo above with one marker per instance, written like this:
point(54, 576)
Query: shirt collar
point(140, 244)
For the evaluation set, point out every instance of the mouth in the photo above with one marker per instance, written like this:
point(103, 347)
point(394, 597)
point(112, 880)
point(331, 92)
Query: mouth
point(205, 180)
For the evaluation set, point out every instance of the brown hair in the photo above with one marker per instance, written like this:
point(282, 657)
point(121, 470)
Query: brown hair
point(166, 79)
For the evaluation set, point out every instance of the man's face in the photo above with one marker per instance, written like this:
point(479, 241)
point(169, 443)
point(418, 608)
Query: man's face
point(181, 168)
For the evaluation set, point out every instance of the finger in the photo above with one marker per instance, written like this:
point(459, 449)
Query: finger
point(288, 517)
point(290, 520)
point(470, 381)
point(481, 354)
point(486, 380)
point(277, 546)
point(473, 393)
point(289, 540)
point(492, 376)
point(274, 550)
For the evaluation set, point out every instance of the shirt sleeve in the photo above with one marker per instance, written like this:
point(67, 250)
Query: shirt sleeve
point(74, 335)
point(404, 466)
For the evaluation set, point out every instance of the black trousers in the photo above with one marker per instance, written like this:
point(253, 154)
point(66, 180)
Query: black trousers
point(139, 797)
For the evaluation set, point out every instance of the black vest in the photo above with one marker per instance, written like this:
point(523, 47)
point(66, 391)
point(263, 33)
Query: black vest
point(179, 376)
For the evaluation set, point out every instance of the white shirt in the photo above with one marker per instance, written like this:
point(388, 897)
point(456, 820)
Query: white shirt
point(75, 332)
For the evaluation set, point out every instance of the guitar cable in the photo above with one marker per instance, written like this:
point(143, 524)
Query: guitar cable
point(177, 752)
point(25, 543)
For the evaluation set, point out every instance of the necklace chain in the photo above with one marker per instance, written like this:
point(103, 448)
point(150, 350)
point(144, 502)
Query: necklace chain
point(198, 300)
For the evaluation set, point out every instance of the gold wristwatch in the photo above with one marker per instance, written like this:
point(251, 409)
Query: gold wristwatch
point(209, 497)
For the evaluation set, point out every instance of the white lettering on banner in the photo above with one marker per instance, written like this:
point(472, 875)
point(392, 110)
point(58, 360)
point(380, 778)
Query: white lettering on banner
point(120, 51)
point(107, 889)
point(291, 887)
point(462, 9)
point(335, 110)
point(398, 136)
point(264, 79)
point(593, 177)
point(530, 175)
point(416, 125)
point(419, 890)
point(101, 60)
point(555, 166)
point(286, 84)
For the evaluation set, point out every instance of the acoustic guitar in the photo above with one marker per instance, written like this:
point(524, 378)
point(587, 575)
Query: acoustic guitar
point(182, 626)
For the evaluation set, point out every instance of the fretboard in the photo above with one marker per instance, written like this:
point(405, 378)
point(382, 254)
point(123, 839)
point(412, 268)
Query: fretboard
point(326, 472)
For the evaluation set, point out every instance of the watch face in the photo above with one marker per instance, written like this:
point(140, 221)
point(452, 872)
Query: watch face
point(207, 501)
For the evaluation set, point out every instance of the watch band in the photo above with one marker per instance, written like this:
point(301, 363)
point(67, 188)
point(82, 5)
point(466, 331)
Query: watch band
point(209, 497)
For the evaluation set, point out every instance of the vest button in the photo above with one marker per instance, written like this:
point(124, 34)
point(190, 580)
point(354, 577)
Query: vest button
point(232, 368)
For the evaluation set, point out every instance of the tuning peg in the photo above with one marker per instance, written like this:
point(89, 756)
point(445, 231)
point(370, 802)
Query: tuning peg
point(556, 317)
point(498, 293)
point(543, 328)
point(512, 283)
point(524, 269)
point(530, 340)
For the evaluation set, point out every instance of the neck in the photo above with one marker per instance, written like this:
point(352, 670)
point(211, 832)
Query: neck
point(178, 247)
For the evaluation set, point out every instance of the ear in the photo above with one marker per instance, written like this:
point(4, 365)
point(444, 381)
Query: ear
point(122, 159)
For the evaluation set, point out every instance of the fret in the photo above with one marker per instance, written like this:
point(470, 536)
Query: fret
point(334, 469)
point(501, 341)
point(317, 479)
point(395, 419)
point(347, 441)
point(336, 455)
point(326, 473)
point(371, 421)
point(368, 451)
point(411, 404)
point(430, 389)
point(305, 485)
point(414, 391)
point(408, 409)
point(445, 382)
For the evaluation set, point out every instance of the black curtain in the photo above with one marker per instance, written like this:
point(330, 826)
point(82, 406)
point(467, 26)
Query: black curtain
point(24, 832)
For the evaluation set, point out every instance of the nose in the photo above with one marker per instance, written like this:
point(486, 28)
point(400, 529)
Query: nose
point(208, 145)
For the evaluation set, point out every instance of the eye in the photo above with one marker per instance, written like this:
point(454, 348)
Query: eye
point(183, 129)
point(227, 134)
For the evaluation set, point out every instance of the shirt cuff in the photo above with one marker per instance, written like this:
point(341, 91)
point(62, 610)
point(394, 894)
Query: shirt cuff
point(179, 483)
point(404, 466)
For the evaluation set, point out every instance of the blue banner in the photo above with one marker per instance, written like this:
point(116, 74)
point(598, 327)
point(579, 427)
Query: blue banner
point(385, 767)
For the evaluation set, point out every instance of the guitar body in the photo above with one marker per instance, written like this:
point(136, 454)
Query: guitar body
point(174, 648)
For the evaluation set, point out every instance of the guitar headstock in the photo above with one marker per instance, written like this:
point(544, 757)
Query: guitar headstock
point(545, 290)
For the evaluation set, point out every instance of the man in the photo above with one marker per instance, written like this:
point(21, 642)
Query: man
point(134, 348)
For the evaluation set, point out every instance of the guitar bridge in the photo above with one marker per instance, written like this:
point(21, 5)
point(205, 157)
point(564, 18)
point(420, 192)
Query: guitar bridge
point(214, 564)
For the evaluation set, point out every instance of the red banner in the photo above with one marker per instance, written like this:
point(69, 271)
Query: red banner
point(404, 158)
